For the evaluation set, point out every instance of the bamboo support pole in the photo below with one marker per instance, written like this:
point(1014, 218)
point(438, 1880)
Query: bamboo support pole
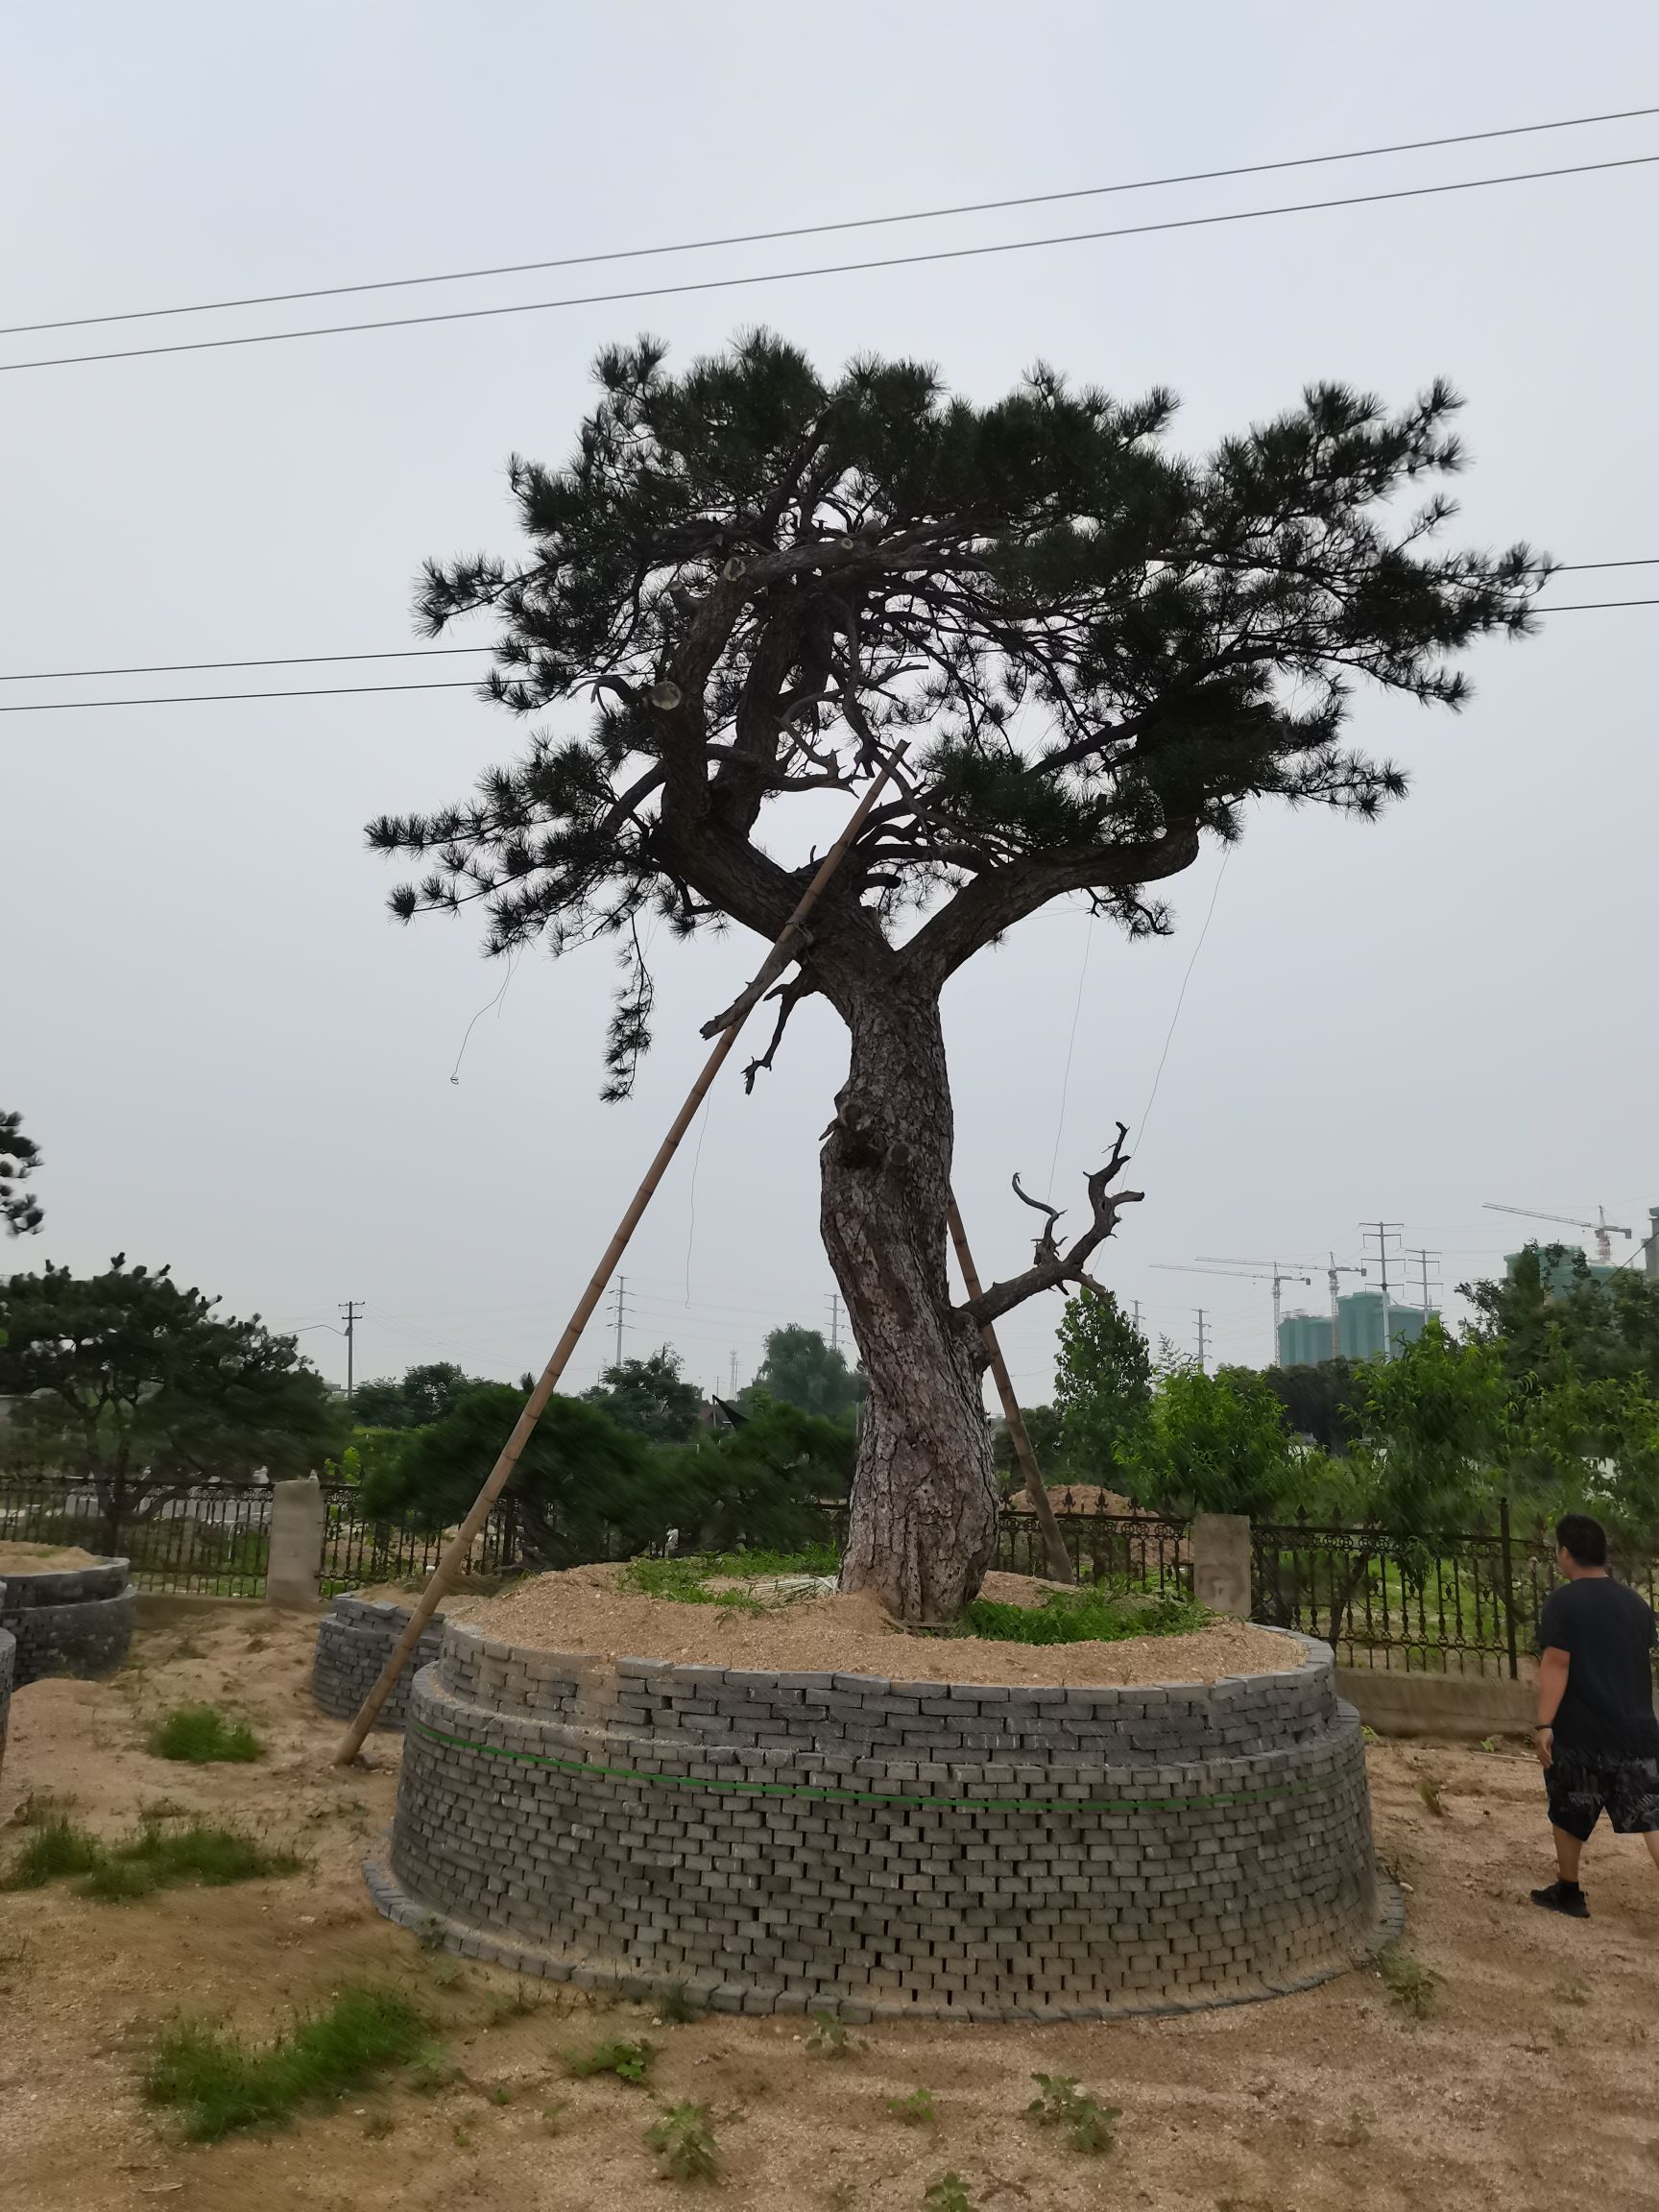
point(460, 1544)
point(1060, 1565)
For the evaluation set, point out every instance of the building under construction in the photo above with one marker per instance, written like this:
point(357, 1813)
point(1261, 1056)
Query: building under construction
point(1305, 1338)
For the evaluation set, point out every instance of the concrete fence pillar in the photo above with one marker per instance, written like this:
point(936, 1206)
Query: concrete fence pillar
point(1221, 1563)
point(298, 1516)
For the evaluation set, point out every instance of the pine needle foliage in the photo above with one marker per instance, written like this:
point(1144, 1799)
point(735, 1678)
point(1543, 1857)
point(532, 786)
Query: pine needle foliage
point(763, 577)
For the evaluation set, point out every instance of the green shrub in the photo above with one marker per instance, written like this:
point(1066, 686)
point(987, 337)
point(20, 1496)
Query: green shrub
point(221, 2083)
point(829, 2038)
point(1086, 1616)
point(1089, 2124)
point(684, 2141)
point(628, 2061)
point(202, 1735)
point(685, 1577)
point(948, 2194)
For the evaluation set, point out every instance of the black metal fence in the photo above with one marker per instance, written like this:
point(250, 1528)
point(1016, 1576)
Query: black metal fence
point(1461, 1603)
point(1128, 1550)
point(213, 1541)
point(359, 1552)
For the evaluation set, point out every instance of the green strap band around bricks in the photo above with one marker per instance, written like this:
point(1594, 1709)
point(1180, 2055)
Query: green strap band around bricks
point(867, 1796)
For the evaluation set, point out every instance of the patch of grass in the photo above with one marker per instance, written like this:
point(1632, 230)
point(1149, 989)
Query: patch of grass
point(628, 2061)
point(686, 1578)
point(500, 2094)
point(1415, 1989)
point(1089, 2124)
point(221, 2083)
point(684, 2141)
point(1429, 1789)
point(948, 2194)
point(202, 1735)
point(553, 2115)
point(677, 2005)
point(915, 2110)
point(829, 2038)
point(1368, 1733)
point(1097, 1615)
point(433, 2071)
point(55, 1851)
point(378, 2125)
point(153, 1858)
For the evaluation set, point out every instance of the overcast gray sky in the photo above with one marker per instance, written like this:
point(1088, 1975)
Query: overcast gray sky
point(236, 1062)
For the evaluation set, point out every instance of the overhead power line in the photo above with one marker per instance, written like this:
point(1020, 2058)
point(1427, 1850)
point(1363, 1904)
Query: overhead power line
point(828, 269)
point(436, 683)
point(437, 652)
point(820, 230)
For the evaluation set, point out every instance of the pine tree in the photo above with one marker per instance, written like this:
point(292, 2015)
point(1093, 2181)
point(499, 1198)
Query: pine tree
point(1101, 654)
point(19, 1157)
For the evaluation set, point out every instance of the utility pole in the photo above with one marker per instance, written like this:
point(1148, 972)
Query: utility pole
point(1137, 1317)
point(1423, 1258)
point(621, 1294)
point(1382, 1231)
point(1199, 1310)
point(353, 1311)
point(733, 1370)
point(835, 1304)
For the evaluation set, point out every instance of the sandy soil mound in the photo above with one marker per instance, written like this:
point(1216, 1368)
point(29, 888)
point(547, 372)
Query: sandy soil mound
point(44, 1559)
point(585, 1610)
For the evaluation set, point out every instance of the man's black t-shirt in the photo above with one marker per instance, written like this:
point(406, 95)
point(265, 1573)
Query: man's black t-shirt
point(1608, 1634)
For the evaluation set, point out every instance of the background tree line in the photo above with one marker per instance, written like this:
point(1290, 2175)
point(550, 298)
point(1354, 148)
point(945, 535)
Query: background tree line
point(1549, 1397)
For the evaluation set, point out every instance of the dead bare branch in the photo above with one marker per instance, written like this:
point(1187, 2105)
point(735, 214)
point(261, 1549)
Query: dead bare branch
point(1051, 1267)
point(788, 997)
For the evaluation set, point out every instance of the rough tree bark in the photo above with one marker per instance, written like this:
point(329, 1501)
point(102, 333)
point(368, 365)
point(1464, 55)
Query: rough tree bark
point(923, 1524)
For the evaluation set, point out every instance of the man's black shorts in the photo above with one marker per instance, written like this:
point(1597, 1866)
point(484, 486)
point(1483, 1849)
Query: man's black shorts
point(1584, 1785)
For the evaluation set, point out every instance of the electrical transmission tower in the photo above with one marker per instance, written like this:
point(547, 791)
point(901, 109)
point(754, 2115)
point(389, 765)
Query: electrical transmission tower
point(1203, 1340)
point(1382, 1231)
point(1425, 1261)
point(620, 1298)
point(834, 1302)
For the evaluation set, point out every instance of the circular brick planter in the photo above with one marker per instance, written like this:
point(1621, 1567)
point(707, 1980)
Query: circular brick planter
point(354, 1644)
point(69, 1620)
point(785, 1842)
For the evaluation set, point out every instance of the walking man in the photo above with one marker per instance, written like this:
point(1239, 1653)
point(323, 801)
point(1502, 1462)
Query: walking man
point(1597, 1740)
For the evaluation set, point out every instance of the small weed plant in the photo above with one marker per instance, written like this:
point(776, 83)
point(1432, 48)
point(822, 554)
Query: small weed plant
point(1089, 2126)
point(1100, 1615)
point(1429, 1789)
point(677, 2005)
point(915, 2110)
point(684, 2141)
point(40, 1806)
point(829, 2038)
point(628, 2061)
point(220, 2084)
point(1415, 1989)
point(202, 1735)
point(948, 2194)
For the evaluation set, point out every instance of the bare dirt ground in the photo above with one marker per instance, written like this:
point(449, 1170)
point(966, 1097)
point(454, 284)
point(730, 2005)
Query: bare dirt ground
point(1532, 2087)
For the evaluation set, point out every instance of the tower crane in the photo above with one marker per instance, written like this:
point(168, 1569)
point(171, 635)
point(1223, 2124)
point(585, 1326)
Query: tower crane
point(1601, 1228)
point(1271, 1272)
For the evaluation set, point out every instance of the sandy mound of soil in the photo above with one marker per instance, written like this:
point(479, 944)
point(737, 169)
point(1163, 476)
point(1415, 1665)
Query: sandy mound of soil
point(585, 1610)
point(44, 1559)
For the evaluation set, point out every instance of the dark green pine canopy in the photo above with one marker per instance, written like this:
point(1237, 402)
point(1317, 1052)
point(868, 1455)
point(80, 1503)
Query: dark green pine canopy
point(1097, 649)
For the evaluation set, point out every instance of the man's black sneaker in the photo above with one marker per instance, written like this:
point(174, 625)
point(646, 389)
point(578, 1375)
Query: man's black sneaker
point(1563, 1897)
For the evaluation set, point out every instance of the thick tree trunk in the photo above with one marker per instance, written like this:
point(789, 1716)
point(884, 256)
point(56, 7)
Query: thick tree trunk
point(922, 1526)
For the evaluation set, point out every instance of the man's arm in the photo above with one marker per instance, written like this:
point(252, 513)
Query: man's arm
point(1552, 1667)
